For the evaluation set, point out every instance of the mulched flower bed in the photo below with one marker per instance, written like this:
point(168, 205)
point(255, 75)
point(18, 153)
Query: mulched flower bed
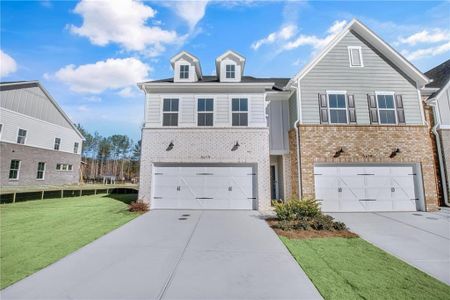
point(310, 233)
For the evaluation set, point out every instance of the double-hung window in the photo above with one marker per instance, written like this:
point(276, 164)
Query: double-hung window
point(205, 112)
point(170, 112)
point(57, 144)
point(355, 56)
point(40, 170)
point(75, 147)
point(239, 109)
point(337, 108)
point(14, 168)
point(21, 136)
point(184, 71)
point(386, 108)
point(230, 71)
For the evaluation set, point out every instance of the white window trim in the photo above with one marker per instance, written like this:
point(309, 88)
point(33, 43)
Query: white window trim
point(188, 72)
point(59, 144)
point(18, 170)
point(197, 112)
point(394, 109)
point(163, 112)
point(350, 60)
point(329, 107)
point(62, 167)
point(2, 127)
point(234, 72)
point(26, 136)
point(238, 111)
point(43, 171)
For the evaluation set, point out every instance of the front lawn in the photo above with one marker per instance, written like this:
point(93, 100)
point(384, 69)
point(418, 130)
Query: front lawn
point(351, 268)
point(37, 233)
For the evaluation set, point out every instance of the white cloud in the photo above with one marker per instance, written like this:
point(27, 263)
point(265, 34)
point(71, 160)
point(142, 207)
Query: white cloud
point(434, 36)
point(7, 64)
point(285, 33)
point(190, 11)
point(314, 41)
point(93, 98)
point(427, 52)
point(122, 22)
point(128, 92)
point(83, 108)
point(103, 75)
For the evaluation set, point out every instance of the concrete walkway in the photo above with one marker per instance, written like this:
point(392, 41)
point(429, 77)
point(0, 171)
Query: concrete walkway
point(210, 255)
point(421, 239)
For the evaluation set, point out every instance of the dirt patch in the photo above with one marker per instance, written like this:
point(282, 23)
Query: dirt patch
point(309, 234)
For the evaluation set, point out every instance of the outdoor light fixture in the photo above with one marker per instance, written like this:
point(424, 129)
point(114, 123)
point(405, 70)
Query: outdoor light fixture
point(170, 147)
point(235, 147)
point(338, 153)
point(394, 153)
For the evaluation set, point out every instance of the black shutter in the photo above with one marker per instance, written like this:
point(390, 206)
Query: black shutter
point(373, 112)
point(323, 108)
point(351, 109)
point(400, 109)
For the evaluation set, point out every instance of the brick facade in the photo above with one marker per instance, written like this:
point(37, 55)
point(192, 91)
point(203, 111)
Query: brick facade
point(29, 157)
point(364, 144)
point(207, 146)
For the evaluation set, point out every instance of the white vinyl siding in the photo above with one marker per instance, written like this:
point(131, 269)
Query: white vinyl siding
point(378, 74)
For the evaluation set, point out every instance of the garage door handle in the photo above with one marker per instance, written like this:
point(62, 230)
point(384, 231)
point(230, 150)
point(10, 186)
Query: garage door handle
point(204, 198)
point(367, 199)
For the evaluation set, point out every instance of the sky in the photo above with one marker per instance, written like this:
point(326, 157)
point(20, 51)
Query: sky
point(90, 54)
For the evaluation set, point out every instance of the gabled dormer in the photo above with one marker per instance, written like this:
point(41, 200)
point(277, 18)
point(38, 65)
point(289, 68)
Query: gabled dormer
point(186, 67)
point(230, 66)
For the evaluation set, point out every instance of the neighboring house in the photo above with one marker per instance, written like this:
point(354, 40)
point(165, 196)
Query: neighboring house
point(349, 130)
point(438, 93)
point(39, 144)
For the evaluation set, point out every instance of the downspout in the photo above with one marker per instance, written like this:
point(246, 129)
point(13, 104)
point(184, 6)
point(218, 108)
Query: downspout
point(439, 150)
point(297, 139)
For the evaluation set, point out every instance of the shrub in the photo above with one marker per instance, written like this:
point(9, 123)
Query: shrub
point(296, 209)
point(138, 206)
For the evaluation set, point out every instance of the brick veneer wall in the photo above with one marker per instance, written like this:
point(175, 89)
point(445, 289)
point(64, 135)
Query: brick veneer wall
point(363, 144)
point(29, 157)
point(195, 145)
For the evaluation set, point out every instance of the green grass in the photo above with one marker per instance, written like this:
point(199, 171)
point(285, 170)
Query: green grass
point(343, 268)
point(35, 234)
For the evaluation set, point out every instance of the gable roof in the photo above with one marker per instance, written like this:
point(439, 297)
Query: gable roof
point(196, 61)
point(15, 85)
point(390, 53)
point(233, 53)
point(440, 76)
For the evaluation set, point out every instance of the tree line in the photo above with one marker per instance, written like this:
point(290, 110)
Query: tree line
point(116, 155)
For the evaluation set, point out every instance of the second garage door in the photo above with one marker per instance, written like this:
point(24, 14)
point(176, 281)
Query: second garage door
point(203, 187)
point(366, 188)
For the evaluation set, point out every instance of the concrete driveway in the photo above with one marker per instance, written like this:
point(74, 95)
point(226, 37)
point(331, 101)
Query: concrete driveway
point(419, 238)
point(209, 255)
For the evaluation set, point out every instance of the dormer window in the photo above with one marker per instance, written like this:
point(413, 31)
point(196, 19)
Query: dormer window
point(355, 56)
point(184, 72)
point(230, 71)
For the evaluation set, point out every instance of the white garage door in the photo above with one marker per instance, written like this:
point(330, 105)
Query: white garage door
point(191, 187)
point(366, 188)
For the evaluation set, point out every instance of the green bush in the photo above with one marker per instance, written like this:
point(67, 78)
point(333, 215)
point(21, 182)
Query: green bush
point(297, 209)
point(304, 214)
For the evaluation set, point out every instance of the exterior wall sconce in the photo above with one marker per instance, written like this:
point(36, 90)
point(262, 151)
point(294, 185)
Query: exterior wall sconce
point(338, 153)
point(394, 153)
point(235, 147)
point(170, 147)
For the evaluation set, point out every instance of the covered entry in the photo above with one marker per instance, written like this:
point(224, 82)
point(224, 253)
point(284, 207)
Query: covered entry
point(204, 187)
point(350, 188)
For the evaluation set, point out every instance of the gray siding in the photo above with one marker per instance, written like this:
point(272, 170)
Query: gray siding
point(279, 126)
point(443, 103)
point(222, 110)
point(293, 115)
point(33, 102)
point(334, 73)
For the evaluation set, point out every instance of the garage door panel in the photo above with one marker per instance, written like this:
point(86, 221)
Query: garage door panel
point(203, 187)
point(366, 188)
